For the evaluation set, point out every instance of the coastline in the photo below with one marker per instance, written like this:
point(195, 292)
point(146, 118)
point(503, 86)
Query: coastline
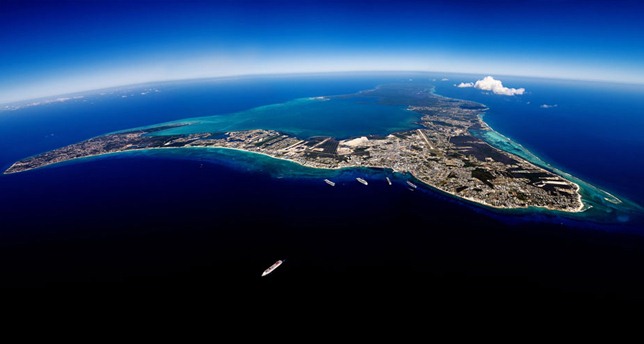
point(383, 168)
point(582, 185)
point(582, 207)
point(480, 127)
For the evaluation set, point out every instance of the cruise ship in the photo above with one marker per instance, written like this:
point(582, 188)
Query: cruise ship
point(273, 267)
point(412, 184)
point(362, 181)
point(329, 182)
point(388, 181)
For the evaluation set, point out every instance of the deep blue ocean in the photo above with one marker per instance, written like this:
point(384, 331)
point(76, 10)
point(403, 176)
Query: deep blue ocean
point(203, 218)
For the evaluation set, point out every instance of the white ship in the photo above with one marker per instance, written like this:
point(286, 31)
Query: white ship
point(412, 184)
point(388, 180)
point(329, 182)
point(273, 267)
point(362, 181)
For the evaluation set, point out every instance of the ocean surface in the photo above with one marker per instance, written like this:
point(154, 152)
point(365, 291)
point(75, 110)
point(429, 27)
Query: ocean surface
point(340, 117)
point(216, 218)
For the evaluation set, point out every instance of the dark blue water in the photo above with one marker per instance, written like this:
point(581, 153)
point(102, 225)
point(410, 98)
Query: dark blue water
point(195, 218)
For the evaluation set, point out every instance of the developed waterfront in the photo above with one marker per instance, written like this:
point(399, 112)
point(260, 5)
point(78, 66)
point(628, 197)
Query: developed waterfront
point(442, 153)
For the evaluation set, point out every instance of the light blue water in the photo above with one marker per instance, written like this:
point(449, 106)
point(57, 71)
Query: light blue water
point(340, 117)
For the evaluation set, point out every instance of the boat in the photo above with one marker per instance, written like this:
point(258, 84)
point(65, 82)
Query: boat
point(329, 182)
point(273, 267)
point(362, 181)
point(412, 184)
point(388, 180)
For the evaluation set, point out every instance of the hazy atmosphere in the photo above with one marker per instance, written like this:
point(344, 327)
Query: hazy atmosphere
point(55, 47)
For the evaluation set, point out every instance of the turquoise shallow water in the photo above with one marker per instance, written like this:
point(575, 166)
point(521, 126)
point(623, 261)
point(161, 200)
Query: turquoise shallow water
point(337, 116)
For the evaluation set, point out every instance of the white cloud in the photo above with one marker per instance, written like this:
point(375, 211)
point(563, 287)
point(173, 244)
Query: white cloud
point(465, 84)
point(490, 84)
point(548, 106)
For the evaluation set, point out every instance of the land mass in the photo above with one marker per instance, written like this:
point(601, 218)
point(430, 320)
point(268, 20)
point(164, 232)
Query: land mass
point(441, 153)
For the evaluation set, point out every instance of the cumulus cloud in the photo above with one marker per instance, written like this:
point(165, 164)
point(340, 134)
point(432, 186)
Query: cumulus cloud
point(490, 84)
point(548, 106)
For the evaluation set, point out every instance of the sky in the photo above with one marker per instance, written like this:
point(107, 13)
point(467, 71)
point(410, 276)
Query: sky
point(55, 47)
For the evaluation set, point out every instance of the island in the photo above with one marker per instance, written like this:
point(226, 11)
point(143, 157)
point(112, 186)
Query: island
point(442, 152)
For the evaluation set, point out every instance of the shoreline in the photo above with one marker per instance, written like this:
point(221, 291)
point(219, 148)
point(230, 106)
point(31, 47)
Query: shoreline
point(582, 207)
point(451, 194)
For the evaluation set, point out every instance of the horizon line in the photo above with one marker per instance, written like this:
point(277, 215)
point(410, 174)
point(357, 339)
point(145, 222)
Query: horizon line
point(303, 73)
